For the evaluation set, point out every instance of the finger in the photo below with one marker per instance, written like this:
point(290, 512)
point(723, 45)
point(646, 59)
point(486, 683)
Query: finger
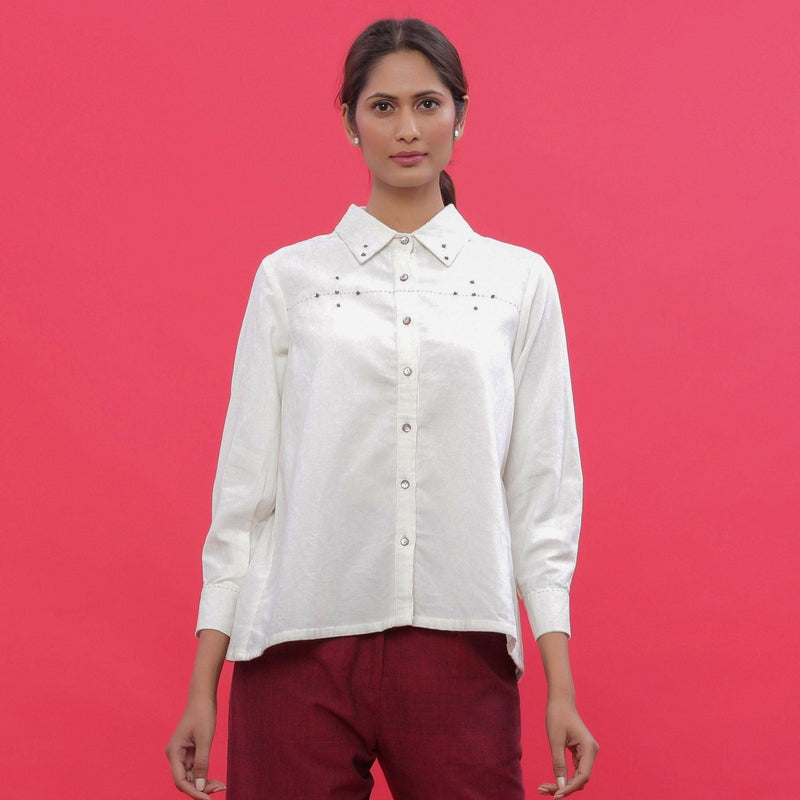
point(183, 764)
point(213, 786)
point(584, 760)
point(553, 788)
point(189, 788)
point(177, 757)
point(574, 784)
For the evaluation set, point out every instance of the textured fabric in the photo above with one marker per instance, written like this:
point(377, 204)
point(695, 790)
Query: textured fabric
point(439, 709)
point(400, 445)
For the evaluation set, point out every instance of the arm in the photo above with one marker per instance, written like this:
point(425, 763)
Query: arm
point(565, 728)
point(242, 501)
point(245, 486)
point(542, 473)
point(544, 490)
point(188, 749)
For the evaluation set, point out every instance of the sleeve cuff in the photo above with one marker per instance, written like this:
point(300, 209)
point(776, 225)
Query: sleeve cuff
point(217, 608)
point(548, 611)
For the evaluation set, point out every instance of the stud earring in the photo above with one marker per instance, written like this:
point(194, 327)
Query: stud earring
point(457, 134)
point(356, 141)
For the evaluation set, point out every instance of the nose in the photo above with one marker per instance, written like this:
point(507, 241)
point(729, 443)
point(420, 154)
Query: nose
point(407, 129)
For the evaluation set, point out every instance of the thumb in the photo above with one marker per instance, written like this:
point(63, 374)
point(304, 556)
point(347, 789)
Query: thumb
point(202, 749)
point(560, 770)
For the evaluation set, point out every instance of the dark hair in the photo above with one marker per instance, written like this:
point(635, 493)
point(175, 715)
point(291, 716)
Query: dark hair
point(387, 36)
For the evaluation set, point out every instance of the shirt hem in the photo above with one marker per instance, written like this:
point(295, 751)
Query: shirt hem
point(254, 650)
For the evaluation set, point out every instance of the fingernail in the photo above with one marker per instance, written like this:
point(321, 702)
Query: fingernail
point(562, 782)
point(218, 789)
point(542, 790)
point(200, 784)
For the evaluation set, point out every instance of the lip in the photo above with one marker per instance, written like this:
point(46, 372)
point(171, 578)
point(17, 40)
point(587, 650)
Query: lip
point(407, 158)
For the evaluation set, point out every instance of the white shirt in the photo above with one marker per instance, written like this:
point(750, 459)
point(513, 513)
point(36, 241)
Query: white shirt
point(400, 445)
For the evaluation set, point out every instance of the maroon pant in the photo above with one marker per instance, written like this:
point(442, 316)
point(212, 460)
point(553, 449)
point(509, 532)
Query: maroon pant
point(439, 709)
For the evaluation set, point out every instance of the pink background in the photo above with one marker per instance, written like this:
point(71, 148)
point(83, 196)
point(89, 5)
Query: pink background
point(154, 152)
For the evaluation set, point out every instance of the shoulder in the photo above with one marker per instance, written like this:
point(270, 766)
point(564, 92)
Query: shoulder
point(293, 265)
point(529, 265)
point(307, 251)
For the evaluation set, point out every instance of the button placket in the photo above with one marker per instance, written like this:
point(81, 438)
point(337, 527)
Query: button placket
point(404, 263)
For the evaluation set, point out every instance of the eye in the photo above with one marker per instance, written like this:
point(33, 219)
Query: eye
point(429, 103)
point(382, 106)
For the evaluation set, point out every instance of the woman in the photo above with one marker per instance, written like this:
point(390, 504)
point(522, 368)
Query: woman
point(399, 463)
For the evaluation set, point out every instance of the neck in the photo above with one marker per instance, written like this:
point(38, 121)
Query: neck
point(404, 209)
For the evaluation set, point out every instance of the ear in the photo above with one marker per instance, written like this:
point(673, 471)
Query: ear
point(463, 118)
point(348, 128)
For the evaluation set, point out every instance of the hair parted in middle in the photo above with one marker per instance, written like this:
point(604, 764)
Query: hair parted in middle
point(386, 36)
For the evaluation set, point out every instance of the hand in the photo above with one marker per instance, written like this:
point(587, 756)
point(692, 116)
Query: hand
point(188, 750)
point(566, 731)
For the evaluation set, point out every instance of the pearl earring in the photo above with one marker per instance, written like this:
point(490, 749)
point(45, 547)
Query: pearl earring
point(356, 141)
point(457, 134)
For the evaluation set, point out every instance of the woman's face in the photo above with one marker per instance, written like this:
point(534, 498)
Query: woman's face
point(405, 120)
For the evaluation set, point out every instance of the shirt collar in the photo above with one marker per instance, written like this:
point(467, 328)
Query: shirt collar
point(444, 235)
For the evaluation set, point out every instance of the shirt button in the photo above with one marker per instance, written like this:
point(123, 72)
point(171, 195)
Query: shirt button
point(405, 484)
point(404, 240)
point(406, 427)
point(404, 277)
point(406, 320)
point(407, 371)
point(404, 541)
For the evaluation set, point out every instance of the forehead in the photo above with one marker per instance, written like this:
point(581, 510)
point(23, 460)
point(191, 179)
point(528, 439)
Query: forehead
point(406, 72)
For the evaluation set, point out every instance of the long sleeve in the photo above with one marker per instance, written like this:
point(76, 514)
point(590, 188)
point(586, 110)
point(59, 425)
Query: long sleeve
point(400, 444)
point(542, 473)
point(243, 500)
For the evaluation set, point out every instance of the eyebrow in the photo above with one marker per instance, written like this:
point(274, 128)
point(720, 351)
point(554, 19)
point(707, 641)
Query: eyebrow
point(393, 97)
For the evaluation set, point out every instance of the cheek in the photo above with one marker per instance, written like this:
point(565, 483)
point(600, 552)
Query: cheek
point(443, 129)
point(370, 135)
point(371, 149)
point(363, 124)
point(442, 137)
